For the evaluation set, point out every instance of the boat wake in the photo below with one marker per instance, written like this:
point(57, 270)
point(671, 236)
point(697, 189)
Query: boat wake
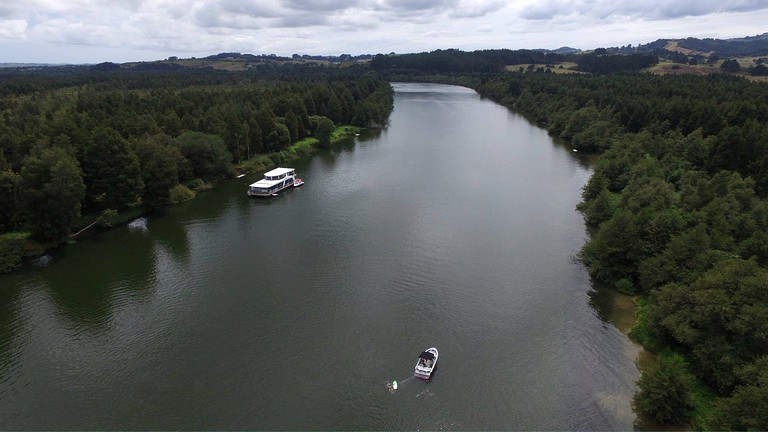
point(393, 386)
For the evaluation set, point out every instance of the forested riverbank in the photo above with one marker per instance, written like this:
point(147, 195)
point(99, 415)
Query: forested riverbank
point(678, 212)
point(101, 144)
point(678, 206)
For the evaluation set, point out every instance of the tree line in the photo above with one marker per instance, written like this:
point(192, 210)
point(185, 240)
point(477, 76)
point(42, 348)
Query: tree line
point(457, 61)
point(105, 141)
point(678, 206)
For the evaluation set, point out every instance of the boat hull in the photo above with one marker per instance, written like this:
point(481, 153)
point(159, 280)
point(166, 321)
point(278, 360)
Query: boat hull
point(270, 192)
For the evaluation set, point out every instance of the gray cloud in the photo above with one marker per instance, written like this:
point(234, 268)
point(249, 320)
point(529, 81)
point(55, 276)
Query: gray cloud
point(302, 20)
point(649, 9)
point(61, 31)
point(475, 9)
point(414, 5)
point(320, 5)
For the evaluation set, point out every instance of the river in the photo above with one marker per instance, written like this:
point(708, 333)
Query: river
point(454, 227)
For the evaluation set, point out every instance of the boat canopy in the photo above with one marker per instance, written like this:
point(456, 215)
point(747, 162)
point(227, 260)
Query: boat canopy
point(277, 172)
point(427, 355)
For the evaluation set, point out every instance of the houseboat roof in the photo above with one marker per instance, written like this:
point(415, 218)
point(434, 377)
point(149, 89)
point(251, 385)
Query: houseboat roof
point(278, 171)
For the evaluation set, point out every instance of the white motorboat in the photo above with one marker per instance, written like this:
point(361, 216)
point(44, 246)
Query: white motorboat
point(273, 182)
point(426, 364)
point(298, 182)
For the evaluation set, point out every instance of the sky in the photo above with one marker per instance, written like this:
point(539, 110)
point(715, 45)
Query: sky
point(94, 31)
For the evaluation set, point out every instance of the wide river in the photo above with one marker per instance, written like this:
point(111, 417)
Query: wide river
point(454, 227)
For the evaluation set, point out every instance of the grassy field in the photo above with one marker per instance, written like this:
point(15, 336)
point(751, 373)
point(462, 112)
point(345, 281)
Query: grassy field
point(666, 67)
point(567, 67)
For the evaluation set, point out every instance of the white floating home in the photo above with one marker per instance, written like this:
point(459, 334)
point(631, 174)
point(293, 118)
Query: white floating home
point(273, 182)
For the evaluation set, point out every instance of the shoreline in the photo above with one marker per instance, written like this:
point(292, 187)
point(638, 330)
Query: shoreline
point(30, 249)
point(622, 310)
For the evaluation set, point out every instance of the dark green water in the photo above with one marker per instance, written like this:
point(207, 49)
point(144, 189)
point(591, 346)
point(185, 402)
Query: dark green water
point(455, 227)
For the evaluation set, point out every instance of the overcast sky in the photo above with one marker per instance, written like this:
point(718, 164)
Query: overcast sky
point(93, 31)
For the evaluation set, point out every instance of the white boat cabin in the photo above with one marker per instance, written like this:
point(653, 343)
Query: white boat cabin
point(273, 182)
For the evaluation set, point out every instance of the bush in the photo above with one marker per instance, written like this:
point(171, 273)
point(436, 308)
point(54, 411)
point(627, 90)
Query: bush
point(181, 193)
point(665, 391)
point(11, 250)
point(625, 286)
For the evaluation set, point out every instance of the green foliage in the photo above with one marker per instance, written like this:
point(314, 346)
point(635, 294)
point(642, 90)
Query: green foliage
point(642, 331)
point(599, 209)
point(52, 190)
point(207, 155)
point(722, 317)
point(323, 131)
point(112, 171)
point(107, 218)
point(625, 286)
point(159, 158)
point(456, 61)
point(665, 391)
point(11, 250)
point(611, 253)
point(747, 407)
point(687, 255)
point(180, 193)
point(613, 64)
point(10, 199)
point(730, 65)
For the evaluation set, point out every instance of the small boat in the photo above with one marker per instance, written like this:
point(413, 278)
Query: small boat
point(298, 182)
point(426, 364)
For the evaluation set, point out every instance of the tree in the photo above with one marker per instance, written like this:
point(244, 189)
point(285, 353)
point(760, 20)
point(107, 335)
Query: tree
point(665, 391)
point(747, 407)
point(730, 66)
point(334, 109)
point(10, 198)
point(325, 128)
point(159, 169)
point(721, 317)
point(599, 209)
point(53, 188)
point(207, 155)
point(686, 256)
point(112, 171)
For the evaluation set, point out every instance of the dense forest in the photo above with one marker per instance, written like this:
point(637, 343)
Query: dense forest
point(457, 61)
point(678, 206)
point(101, 142)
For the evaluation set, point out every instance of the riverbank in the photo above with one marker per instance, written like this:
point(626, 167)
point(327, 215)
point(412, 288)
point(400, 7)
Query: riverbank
point(17, 247)
point(305, 147)
point(629, 314)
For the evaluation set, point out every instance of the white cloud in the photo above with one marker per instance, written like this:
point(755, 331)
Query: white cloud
point(13, 29)
point(62, 31)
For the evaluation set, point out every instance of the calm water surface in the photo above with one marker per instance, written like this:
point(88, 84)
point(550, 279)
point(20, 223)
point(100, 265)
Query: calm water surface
point(454, 227)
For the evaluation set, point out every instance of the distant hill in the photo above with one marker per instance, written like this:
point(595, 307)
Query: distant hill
point(751, 46)
point(566, 50)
